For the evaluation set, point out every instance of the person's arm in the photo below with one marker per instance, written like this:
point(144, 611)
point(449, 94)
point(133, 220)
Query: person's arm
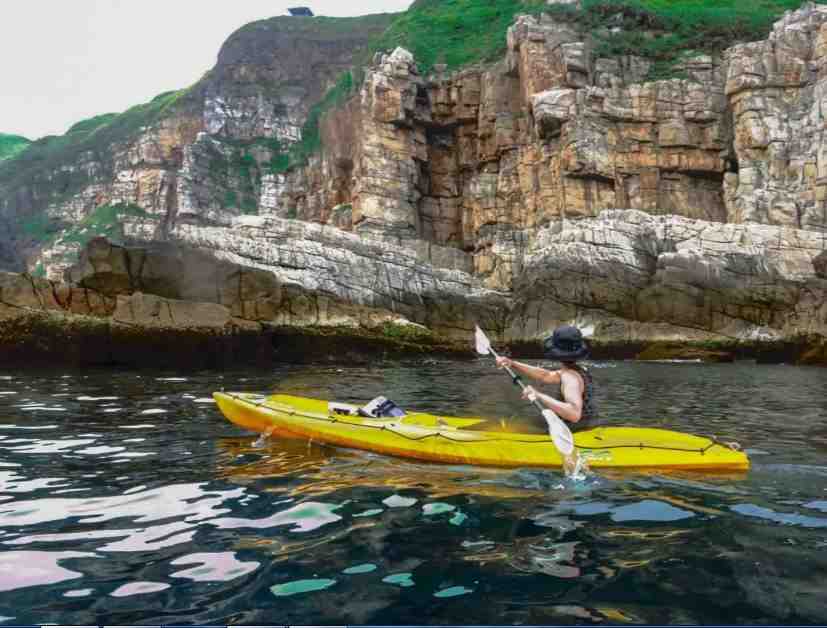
point(534, 372)
point(571, 409)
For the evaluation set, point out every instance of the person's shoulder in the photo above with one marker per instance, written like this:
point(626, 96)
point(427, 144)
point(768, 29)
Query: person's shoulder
point(570, 375)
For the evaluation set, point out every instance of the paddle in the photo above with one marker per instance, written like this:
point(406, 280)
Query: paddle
point(559, 431)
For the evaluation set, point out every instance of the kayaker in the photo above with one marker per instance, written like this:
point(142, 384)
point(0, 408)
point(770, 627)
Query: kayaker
point(575, 403)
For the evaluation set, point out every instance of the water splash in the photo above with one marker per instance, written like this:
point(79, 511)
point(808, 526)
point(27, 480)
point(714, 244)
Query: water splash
point(578, 471)
point(262, 440)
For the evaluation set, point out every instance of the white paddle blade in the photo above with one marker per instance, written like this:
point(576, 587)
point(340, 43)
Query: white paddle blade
point(482, 342)
point(559, 432)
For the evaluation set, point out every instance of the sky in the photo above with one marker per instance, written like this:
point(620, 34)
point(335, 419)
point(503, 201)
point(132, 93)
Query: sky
point(62, 61)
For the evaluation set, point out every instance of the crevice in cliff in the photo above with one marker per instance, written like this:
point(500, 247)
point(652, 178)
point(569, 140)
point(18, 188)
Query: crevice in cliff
point(35, 291)
point(171, 206)
point(88, 299)
point(67, 305)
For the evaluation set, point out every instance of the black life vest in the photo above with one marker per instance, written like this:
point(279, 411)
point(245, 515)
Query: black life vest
point(589, 415)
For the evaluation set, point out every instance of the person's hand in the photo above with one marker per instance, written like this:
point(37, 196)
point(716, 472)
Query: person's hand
point(502, 362)
point(530, 394)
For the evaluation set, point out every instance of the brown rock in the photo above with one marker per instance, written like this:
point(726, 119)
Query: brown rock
point(18, 290)
point(103, 267)
point(150, 311)
point(106, 271)
point(84, 301)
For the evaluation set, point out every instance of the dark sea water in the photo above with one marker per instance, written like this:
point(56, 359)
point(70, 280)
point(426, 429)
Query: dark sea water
point(126, 498)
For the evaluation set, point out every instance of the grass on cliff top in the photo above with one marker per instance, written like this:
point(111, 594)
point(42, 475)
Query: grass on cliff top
point(92, 124)
point(320, 25)
point(453, 32)
point(665, 31)
point(11, 145)
point(462, 32)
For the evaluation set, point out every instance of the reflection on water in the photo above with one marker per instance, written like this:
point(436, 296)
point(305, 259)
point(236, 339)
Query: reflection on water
point(124, 493)
point(19, 570)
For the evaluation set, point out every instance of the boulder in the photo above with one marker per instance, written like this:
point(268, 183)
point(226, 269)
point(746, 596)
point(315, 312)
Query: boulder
point(176, 273)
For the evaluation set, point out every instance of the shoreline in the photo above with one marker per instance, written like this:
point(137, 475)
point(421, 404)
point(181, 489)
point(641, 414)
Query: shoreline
point(167, 306)
point(43, 338)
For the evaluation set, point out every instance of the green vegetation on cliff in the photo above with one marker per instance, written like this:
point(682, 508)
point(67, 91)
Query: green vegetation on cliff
point(236, 167)
point(92, 124)
point(665, 31)
point(39, 228)
point(321, 26)
point(311, 140)
point(45, 160)
point(11, 145)
point(462, 32)
point(106, 221)
point(454, 32)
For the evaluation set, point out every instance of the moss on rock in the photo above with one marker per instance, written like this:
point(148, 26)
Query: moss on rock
point(684, 351)
point(360, 344)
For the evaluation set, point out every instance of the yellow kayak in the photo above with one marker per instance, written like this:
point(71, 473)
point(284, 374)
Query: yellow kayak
point(449, 439)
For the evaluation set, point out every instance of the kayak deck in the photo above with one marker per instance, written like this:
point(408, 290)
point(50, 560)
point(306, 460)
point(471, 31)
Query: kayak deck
point(448, 439)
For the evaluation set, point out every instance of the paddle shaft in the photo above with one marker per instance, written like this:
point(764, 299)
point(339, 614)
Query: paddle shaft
point(517, 380)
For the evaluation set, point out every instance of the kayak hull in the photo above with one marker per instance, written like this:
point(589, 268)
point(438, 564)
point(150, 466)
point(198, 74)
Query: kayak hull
point(449, 440)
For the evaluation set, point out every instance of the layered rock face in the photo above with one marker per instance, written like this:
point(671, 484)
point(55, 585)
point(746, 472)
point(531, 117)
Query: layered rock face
point(479, 159)
point(630, 280)
point(487, 194)
point(286, 291)
point(328, 276)
point(256, 101)
point(776, 90)
point(631, 275)
point(549, 133)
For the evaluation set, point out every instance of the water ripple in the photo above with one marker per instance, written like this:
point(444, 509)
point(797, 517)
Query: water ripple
point(19, 570)
point(107, 519)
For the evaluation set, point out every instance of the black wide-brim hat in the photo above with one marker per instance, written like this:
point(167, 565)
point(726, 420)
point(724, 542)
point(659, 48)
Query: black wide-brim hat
point(566, 344)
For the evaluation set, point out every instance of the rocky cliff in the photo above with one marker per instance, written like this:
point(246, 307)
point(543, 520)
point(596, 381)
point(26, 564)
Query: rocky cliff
point(205, 153)
point(554, 185)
